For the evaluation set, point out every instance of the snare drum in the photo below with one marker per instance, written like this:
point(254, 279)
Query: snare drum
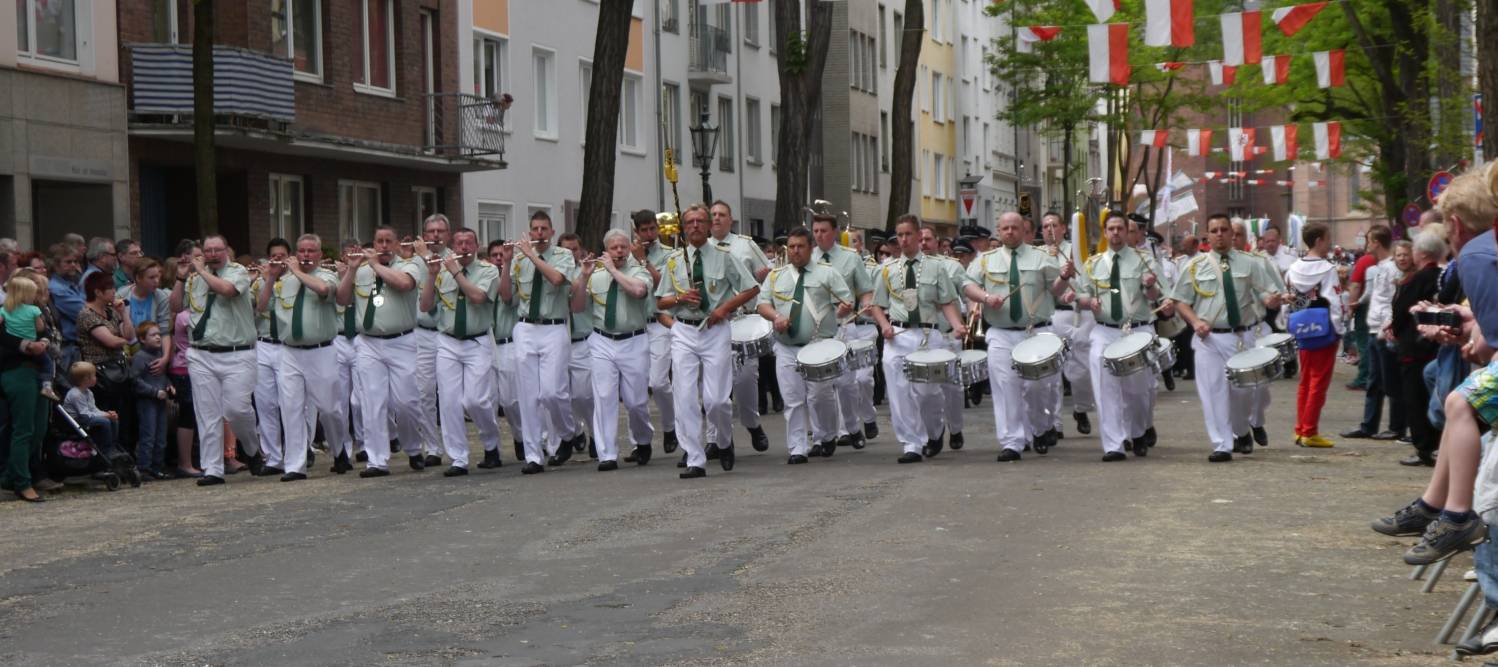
point(972, 367)
point(1254, 367)
point(931, 367)
point(1039, 356)
point(751, 337)
point(1283, 342)
point(1130, 354)
point(862, 354)
point(1170, 327)
point(1165, 354)
point(822, 360)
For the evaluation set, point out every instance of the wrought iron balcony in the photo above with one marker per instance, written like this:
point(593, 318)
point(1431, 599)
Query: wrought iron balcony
point(710, 46)
point(467, 126)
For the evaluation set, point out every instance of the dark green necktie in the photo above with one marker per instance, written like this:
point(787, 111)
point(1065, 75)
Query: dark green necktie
point(1016, 307)
point(1230, 292)
point(460, 312)
point(535, 306)
point(697, 281)
point(914, 316)
point(202, 325)
point(1115, 296)
point(611, 304)
point(296, 313)
point(826, 257)
point(369, 308)
point(275, 328)
point(348, 321)
point(797, 297)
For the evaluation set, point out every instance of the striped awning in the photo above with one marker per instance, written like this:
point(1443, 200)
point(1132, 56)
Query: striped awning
point(246, 83)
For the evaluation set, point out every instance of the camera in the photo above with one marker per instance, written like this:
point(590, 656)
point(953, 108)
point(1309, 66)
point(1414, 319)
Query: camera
point(1441, 318)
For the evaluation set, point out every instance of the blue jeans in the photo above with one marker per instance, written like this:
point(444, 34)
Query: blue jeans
point(1383, 381)
point(105, 433)
point(1485, 561)
point(1441, 376)
point(150, 446)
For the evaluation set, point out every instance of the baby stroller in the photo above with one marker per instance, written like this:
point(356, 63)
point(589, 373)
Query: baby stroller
point(71, 452)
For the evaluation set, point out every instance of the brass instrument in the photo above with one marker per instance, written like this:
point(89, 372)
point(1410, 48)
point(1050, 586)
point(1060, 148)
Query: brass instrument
point(824, 207)
point(669, 226)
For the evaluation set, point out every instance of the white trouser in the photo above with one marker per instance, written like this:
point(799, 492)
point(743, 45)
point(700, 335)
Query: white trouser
point(579, 373)
point(620, 372)
point(948, 418)
point(268, 401)
point(1117, 418)
point(426, 381)
point(1076, 327)
point(1022, 409)
point(1261, 393)
point(221, 386)
point(505, 389)
point(707, 356)
point(304, 383)
point(660, 373)
point(806, 403)
point(384, 369)
point(909, 401)
point(348, 356)
point(745, 399)
point(542, 355)
point(465, 373)
point(856, 398)
point(1225, 407)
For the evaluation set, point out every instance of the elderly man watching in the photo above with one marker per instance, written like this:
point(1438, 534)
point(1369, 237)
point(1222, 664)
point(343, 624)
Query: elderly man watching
point(101, 257)
point(128, 255)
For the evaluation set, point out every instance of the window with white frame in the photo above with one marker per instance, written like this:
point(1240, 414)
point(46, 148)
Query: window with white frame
point(938, 98)
point(938, 185)
point(726, 134)
point(671, 99)
point(164, 27)
point(898, 25)
point(871, 46)
point(490, 60)
point(629, 113)
point(882, 39)
point(774, 132)
point(47, 30)
point(870, 169)
point(374, 47)
point(670, 17)
point(884, 141)
point(360, 209)
point(750, 21)
point(925, 93)
point(855, 174)
point(585, 85)
point(752, 152)
point(286, 206)
point(951, 100)
point(494, 221)
point(296, 33)
point(543, 77)
point(925, 173)
point(936, 27)
point(426, 203)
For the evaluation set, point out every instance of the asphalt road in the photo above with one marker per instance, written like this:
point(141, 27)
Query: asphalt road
point(1055, 560)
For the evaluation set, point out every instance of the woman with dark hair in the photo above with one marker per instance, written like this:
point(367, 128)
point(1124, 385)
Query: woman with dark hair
point(1412, 351)
point(104, 331)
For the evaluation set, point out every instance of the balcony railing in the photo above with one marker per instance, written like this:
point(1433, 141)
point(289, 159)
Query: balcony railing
point(246, 84)
point(710, 49)
point(463, 125)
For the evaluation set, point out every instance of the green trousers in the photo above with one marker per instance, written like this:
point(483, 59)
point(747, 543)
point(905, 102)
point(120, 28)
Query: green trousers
point(28, 423)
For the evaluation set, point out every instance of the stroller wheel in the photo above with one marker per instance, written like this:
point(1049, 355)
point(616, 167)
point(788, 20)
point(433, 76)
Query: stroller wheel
point(133, 476)
point(112, 482)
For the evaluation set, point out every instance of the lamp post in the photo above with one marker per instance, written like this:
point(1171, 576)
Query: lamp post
point(704, 145)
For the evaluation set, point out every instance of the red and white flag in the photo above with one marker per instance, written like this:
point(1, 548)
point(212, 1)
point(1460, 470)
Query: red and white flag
point(1222, 75)
point(1103, 9)
point(1170, 66)
point(1329, 71)
point(1197, 142)
point(1169, 23)
point(1328, 139)
point(1283, 139)
point(1036, 33)
point(1276, 69)
point(1291, 19)
point(1240, 142)
point(1154, 138)
point(1108, 53)
point(1240, 38)
point(1209, 175)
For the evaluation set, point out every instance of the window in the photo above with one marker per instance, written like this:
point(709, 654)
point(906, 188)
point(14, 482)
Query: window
point(855, 174)
point(983, 70)
point(296, 33)
point(938, 186)
point(938, 98)
point(374, 47)
point(870, 46)
point(671, 98)
point(47, 29)
point(925, 96)
point(774, 131)
point(951, 101)
point(629, 113)
point(936, 31)
point(899, 25)
point(585, 82)
point(752, 153)
point(871, 170)
point(883, 39)
point(286, 206)
point(494, 221)
point(725, 134)
point(670, 17)
point(489, 61)
point(426, 203)
point(751, 24)
point(360, 209)
point(543, 76)
point(855, 64)
point(884, 141)
point(164, 26)
point(962, 63)
point(925, 173)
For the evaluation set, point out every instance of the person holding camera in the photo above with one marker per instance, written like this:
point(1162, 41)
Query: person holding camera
point(1411, 350)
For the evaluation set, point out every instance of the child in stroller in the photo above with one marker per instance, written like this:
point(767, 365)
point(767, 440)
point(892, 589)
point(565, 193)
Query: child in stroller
point(70, 452)
point(89, 435)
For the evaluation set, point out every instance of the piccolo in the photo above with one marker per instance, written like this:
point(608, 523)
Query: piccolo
point(434, 259)
point(513, 243)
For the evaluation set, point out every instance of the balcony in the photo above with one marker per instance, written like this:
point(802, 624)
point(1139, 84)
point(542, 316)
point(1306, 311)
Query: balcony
point(466, 126)
point(708, 66)
point(248, 86)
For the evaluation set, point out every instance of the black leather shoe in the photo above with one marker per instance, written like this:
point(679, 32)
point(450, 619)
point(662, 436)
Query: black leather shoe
point(605, 466)
point(1141, 450)
point(683, 462)
point(293, 477)
point(432, 460)
point(564, 452)
point(580, 443)
point(1357, 433)
point(256, 464)
point(361, 457)
point(829, 448)
point(1084, 425)
point(933, 447)
point(1007, 455)
point(711, 452)
point(758, 440)
point(1386, 435)
point(1039, 444)
point(395, 445)
point(592, 449)
point(519, 451)
point(491, 459)
point(269, 471)
point(455, 471)
point(778, 404)
point(955, 441)
point(1220, 457)
point(796, 459)
point(870, 431)
point(341, 464)
point(1149, 437)
point(1417, 460)
point(909, 457)
point(417, 462)
point(856, 441)
point(1128, 445)
point(1170, 382)
point(1242, 443)
point(210, 480)
point(373, 472)
point(816, 450)
point(640, 456)
point(532, 468)
point(668, 442)
point(725, 457)
point(693, 473)
point(1112, 457)
point(1260, 436)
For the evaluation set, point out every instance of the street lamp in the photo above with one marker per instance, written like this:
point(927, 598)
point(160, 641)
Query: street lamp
point(704, 145)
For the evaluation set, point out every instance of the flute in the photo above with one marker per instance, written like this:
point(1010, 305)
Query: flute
point(515, 243)
point(434, 259)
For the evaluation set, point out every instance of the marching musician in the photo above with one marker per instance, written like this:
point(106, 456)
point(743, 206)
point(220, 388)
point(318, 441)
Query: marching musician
point(268, 423)
point(383, 292)
point(540, 277)
point(1216, 297)
point(746, 382)
point(221, 361)
point(948, 418)
point(911, 293)
point(435, 235)
point(798, 299)
point(617, 297)
point(580, 360)
point(856, 412)
point(302, 300)
point(650, 253)
point(348, 358)
point(459, 291)
point(507, 389)
point(1118, 285)
point(703, 285)
point(1075, 326)
point(1016, 286)
point(1244, 442)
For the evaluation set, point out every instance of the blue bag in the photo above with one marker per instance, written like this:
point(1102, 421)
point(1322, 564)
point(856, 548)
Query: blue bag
point(1312, 328)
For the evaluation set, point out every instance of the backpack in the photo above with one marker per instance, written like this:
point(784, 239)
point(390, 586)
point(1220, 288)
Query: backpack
point(1312, 328)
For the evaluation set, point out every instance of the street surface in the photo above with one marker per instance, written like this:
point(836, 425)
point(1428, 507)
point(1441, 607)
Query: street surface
point(853, 560)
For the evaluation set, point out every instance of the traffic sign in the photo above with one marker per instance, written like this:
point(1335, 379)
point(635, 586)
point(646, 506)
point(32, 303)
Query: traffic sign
point(969, 197)
point(1411, 215)
point(1437, 185)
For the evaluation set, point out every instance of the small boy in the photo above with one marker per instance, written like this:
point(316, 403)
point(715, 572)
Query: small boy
point(152, 391)
point(102, 425)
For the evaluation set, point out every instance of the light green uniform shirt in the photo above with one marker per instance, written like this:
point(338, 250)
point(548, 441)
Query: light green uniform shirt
point(1275, 278)
point(630, 313)
point(723, 277)
point(1200, 286)
point(232, 320)
point(748, 252)
point(821, 291)
point(396, 311)
point(506, 314)
point(1093, 282)
point(479, 315)
point(1037, 271)
point(262, 319)
point(427, 319)
point(656, 254)
point(555, 300)
point(320, 316)
point(933, 289)
point(848, 265)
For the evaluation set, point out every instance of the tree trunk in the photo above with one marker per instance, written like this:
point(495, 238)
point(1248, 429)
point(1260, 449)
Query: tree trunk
point(800, 65)
point(610, 45)
point(1451, 100)
point(1487, 71)
point(204, 152)
point(902, 125)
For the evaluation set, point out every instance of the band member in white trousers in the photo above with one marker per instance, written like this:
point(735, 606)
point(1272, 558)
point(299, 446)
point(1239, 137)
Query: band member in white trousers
point(1075, 326)
point(746, 378)
point(580, 360)
point(268, 363)
point(948, 420)
point(506, 392)
point(435, 234)
point(615, 292)
point(850, 267)
point(301, 297)
point(650, 253)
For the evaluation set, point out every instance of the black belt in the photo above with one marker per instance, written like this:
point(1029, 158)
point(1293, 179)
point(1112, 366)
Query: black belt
point(619, 336)
point(312, 346)
point(224, 348)
point(1234, 329)
point(504, 341)
point(389, 336)
point(1111, 325)
point(695, 323)
point(528, 320)
point(1044, 323)
point(423, 326)
point(918, 325)
point(1065, 307)
point(477, 335)
point(579, 339)
point(272, 341)
point(864, 320)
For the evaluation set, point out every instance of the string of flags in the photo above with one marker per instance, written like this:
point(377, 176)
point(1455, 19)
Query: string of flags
point(1283, 141)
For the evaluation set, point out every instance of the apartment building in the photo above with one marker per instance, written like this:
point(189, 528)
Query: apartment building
point(63, 164)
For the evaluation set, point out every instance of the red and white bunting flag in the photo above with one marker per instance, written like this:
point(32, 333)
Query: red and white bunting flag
point(1276, 70)
point(1284, 183)
point(1108, 53)
point(1238, 174)
point(1283, 138)
point(1169, 66)
point(1329, 72)
point(1222, 75)
point(1240, 38)
point(1197, 142)
point(1315, 184)
point(1169, 23)
point(1328, 139)
point(1036, 33)
point(1208, 175)
point(1253, 181)
point(1240, 142)
point(1156, 138)
point(1292, 19)
point(1103, 9)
